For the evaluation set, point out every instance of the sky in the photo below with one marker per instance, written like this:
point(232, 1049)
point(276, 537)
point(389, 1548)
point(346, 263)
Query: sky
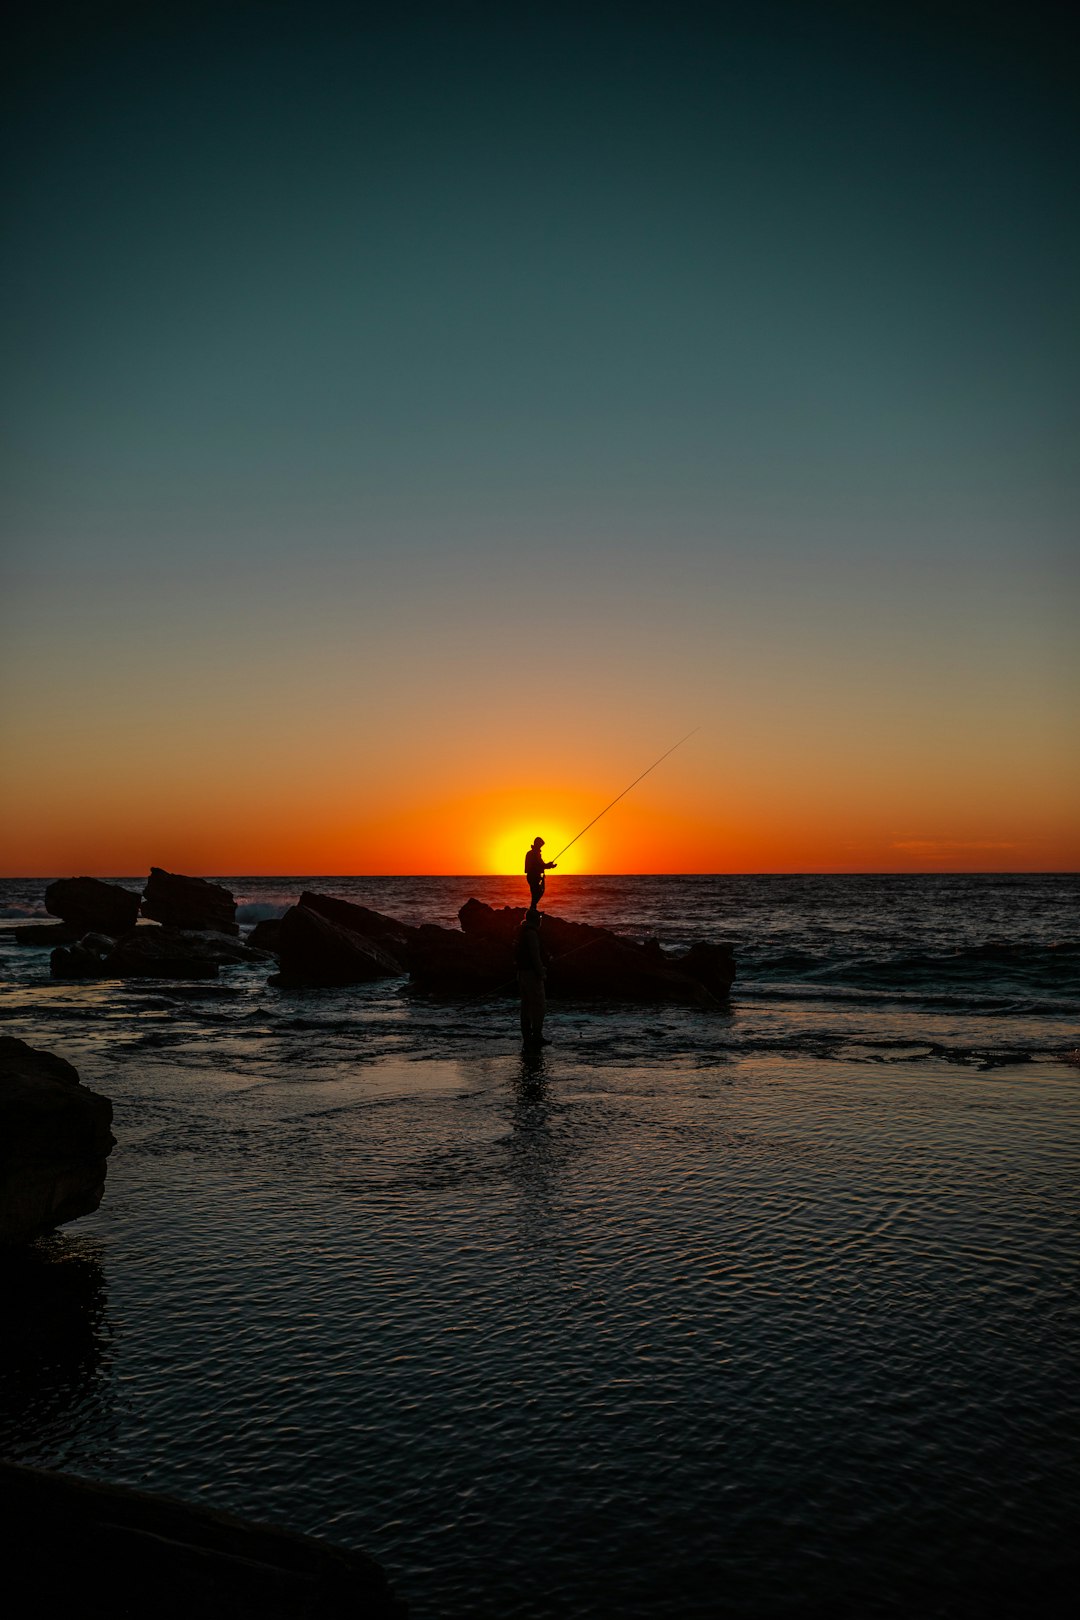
point(419, 418)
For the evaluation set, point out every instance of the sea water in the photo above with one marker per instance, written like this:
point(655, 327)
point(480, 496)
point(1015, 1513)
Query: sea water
point(764, 1308)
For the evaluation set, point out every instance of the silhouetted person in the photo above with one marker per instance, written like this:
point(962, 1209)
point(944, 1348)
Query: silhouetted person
point(531, 974)
point(535, 867)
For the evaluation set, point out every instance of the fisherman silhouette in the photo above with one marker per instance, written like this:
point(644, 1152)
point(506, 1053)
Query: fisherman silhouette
point(531, 972)
point(535, 867)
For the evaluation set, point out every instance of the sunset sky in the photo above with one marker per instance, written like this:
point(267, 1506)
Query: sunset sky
point(418, 418)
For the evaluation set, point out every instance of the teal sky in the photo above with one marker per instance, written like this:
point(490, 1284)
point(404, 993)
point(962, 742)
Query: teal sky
point(686, 339)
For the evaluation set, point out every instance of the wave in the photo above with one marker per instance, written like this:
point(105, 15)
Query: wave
point(260, 911)
point(9, 912)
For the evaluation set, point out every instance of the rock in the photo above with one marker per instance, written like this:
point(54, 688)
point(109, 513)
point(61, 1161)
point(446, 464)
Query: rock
point(88, 903)
point(159, 953)
point(713, 965)
point(188, 902)
point(81, 1547)
point(77, 962)
point(446, 962)
point(54, 1141)
point(265, 935)
point(314, 950)
point(388, 933)
point(589, 962)
point(44, 934)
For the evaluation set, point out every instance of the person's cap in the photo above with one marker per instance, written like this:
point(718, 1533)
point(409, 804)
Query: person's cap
point(537, 841)
point(533, 918)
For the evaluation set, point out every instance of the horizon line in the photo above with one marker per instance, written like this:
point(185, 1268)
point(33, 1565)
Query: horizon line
point(470, 877)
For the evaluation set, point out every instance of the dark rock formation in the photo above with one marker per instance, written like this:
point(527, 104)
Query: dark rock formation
point(188, 902)
point(583, 961)
point(159, 953)
point(169, 1559)
point(88, 903)
point(388, 933)
point(265, 935)
point(77, 961)
point(54, 1140)
point(447, 962)
point(156, 953)
point(314, 950)
point(46, 934)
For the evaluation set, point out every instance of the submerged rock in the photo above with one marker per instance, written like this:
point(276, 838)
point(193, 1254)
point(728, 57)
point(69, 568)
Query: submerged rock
point(82, 1548)
point(54, 1141)
point(314, 950)
point(188, 902)
point(89, 903)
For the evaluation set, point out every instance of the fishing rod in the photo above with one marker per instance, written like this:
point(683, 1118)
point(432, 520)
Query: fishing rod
point(625, 791)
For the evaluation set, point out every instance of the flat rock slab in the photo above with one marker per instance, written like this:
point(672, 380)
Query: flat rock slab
point(78, 1547)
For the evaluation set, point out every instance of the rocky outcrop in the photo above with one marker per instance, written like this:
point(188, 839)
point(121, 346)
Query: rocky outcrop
point(88, 903)
point(153, 953)
point(447, 962)
point(80, 1547)
point(584, 962)
point(313, 950)
point(388, 933)
point(188, 902)
point(54, 1141)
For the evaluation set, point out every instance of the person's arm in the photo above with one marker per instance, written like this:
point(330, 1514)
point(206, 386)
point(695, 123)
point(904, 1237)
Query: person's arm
point(549, 866)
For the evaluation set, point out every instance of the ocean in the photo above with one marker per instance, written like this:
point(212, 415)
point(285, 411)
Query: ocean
point(763, 1309)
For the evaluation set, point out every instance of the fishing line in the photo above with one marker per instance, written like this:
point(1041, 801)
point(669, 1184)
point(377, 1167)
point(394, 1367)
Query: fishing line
point(625, 791)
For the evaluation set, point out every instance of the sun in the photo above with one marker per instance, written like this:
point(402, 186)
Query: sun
point(507, 851)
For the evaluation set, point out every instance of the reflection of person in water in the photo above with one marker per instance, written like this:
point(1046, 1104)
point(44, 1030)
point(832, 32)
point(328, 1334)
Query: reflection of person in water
point(535, 867)
point(531, 972)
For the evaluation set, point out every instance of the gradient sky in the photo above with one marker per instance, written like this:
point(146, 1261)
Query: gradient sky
point(418, 418)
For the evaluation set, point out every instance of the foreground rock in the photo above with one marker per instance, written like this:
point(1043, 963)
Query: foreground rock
point(87, 903)
point(78, 1547)
point(188, 902)
point(584, 962)
point(314, 950)
point(54, 1141)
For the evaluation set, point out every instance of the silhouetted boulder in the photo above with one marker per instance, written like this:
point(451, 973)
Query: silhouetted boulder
point(46, 934)
point(188, 902)
point(81, 1548)
point(265, 935)
point(313, 950)
point(88, 903)
point(54, 1141)
point(388, 933)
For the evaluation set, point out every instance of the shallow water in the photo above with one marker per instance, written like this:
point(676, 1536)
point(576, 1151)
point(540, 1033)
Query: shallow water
point(743, 1311)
